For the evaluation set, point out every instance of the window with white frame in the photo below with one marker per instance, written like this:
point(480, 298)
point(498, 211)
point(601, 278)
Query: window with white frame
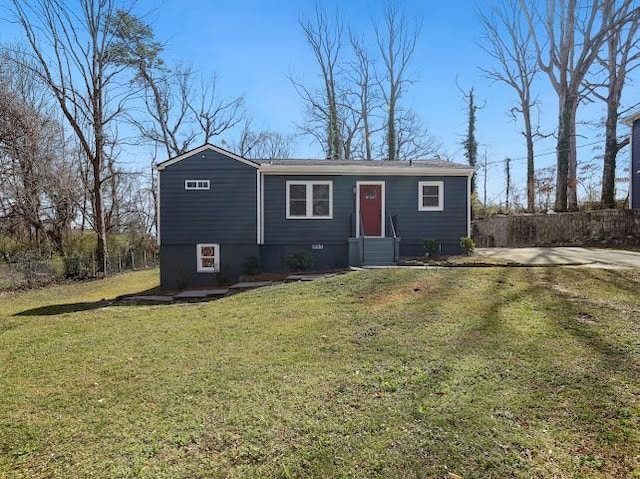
point(208, 258)
point(309, 200)
point(196, 184)
point(430, 196)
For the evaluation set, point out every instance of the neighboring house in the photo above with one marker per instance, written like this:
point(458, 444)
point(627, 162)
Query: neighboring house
point(219, 213)
point(634, 171)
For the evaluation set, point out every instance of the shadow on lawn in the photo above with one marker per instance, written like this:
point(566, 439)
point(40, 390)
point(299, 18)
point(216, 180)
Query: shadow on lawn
point(55, 309)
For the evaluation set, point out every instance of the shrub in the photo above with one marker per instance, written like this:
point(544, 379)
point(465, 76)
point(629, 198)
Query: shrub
point(468, 245)
point(431, 247)
point(300, 261)
point(252, 266)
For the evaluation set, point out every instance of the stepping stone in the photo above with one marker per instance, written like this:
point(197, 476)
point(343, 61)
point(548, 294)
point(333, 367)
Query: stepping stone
point(217, 292)
point(191, 294)
point(251, 284)
point(201, 293)
point(307, 277)
point(152, 298)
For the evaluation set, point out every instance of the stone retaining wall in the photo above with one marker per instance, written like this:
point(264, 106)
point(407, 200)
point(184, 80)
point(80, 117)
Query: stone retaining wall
point(601, 227)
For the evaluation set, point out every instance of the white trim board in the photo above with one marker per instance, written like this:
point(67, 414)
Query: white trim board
point(309, 199)
point(216, 258)
point(440, 185)
point(200, 149)
point(383, 210)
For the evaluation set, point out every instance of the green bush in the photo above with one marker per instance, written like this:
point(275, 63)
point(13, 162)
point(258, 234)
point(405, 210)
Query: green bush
point(252, 266)
point(431, 247)
point(300, 261)
point(468, 245)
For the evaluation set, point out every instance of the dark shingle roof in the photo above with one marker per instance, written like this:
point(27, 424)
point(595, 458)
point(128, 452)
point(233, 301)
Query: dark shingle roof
point(365, 163)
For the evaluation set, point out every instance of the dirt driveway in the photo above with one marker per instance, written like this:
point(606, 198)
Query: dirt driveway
point(565, 256)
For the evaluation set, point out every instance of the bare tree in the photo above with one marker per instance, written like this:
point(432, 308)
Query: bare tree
point(263, 144)
point(470, 143)
point(568, 36)
point(507, 180)
point(620, 56)
point(413, 140)
point(396, 38)
point(179, 112)
point(324, 36)
point(37, 182)
point(508, 40)
point(71, 48)
point(363, 86)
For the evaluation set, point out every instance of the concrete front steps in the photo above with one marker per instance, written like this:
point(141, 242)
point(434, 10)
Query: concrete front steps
point(374, 251)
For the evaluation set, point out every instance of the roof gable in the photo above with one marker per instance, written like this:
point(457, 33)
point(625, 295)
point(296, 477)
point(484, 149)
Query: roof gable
point(200, 149)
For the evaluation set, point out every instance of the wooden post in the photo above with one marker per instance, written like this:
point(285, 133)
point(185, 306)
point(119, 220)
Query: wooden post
point(133, 260)
point(144, 258)
point(119, 263)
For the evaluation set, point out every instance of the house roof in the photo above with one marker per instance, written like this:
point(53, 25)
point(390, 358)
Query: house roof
point(336, 167)
point(361, 163)
point(414, 167)
point(628, 120)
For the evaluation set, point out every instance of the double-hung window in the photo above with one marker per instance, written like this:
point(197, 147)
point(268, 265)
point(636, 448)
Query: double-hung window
point(196, 184)
point(430, 196)
point(208, 258)
point(309, 200)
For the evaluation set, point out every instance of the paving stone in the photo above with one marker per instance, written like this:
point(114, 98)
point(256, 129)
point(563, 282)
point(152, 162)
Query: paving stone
point(250, 284)
point(154, 298)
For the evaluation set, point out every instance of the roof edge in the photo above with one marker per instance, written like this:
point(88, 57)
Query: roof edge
point(628, 120)
point(207, 146)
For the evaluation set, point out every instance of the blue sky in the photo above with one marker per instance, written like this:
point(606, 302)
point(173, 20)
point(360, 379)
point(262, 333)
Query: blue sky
point(253, 45)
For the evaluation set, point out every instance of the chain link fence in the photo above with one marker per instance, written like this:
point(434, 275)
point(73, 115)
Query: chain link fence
point(32, 273)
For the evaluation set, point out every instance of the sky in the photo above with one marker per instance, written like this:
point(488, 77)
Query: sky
point(252, 46)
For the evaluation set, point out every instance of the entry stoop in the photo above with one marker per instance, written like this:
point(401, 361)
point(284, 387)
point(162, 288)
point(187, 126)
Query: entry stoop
point(373, 251)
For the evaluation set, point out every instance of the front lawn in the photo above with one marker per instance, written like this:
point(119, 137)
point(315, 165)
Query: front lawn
point(492, 372)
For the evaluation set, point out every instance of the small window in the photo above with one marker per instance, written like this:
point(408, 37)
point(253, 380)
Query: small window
point(430, 196)
point(196, 184)
point(309, 200)
point(208, 258)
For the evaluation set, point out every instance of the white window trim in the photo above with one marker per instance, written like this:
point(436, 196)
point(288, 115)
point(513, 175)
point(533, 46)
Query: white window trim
point(216, 258)
point(206, 186)
point(309, 189)
point(383, 210)
point(440, 185)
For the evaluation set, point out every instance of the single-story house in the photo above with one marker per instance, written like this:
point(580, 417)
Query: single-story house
point(220, 214)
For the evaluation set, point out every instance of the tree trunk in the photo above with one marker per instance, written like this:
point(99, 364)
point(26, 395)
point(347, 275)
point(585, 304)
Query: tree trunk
point(610, 153)
point(572, 176)
point(391, 129)
point(563, 147)
point(531, 181)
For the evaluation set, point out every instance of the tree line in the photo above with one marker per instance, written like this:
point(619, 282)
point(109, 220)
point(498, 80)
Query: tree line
point(584, 50)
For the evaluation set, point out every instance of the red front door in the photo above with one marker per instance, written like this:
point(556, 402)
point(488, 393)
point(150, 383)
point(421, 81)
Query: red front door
point(371, 210)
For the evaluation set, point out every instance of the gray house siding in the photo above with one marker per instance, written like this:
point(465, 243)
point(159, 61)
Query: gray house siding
point(635, 166)
point(226, 214)
point(283, 237)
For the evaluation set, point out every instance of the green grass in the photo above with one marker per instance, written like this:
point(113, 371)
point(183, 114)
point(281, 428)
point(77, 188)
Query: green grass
point(492, 372)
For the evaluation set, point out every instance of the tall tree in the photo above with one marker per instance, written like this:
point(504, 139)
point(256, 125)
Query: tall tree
point(568, 35)
point(620, 56)
point(508, 40)
point(324, 36)
point(396, 38)
point(71, 46)
point(362, 79)
point(507, 179)
point(470, 143)
point(179, 111)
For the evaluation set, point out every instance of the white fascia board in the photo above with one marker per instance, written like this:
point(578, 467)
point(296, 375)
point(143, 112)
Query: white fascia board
point(631, 118)
point(357, 170)
point(200, 149)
